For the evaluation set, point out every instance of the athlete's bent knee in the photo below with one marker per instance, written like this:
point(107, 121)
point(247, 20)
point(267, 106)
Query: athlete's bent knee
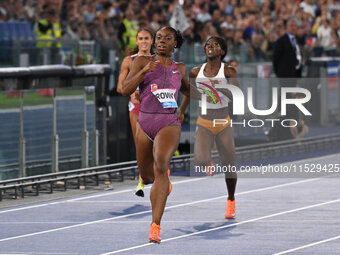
point(148, 179)
point(161, 165)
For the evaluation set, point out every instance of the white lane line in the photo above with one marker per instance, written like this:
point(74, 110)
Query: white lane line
point(93, 196)
point(167, 222)
point(225, 227)
point(36, 253)
point(118, 222)
point(308, 245)
point(149, 211)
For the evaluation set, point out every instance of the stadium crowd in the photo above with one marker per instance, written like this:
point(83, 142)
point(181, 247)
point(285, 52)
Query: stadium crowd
point(250, 26)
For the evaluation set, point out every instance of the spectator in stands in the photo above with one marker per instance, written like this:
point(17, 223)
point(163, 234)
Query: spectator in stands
point(249, 30)
point(240, 23)
point(71, 31)
point(255, 50)
point(96, 31)
point(268, 27)
point(30, 11)
point(309, 7)
point(228, 6)
point(234, 63)
point(77, 30)
point(195, 8)
point(279, 29)
point(3, 14)
point(17, 13)
point(106, 13)
point(155, 20)
point(214, 5)
point(206, 30)
point(57, 4)
point(237, 43)
point(217, 20)
point(332, 7)
point(326, 40)
point(204, 15)
point(301, 39)
point(268, 45)
point(228, 22)
point(228, 35)
point(307, 22)
point(188, 34)
point(128, 28)
point(265, 9)
point(287, 57)
point(48, 29)
point(143, 23)
point(89, 12)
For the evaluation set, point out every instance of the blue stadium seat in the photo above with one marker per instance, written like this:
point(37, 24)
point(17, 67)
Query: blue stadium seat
point(28, 30)
point(5, 42)
point(4, 32)
point(28, 44)
point(19, 28)
point(13, 33)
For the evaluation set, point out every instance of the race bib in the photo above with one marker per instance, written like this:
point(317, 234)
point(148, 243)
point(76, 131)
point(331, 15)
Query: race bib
point(166, 97)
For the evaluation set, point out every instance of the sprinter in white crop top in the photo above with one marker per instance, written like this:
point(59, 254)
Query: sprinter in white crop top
point(211, 79)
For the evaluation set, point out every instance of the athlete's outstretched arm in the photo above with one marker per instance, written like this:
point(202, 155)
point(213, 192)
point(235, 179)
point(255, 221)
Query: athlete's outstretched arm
point(124, 71)
point(139, 67)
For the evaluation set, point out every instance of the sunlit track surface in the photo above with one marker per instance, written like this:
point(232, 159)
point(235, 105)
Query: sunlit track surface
point(274, 216)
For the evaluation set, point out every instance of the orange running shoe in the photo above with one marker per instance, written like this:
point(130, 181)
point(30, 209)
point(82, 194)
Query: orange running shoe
point(170, 185)
point(210, 168)
point(230, 211)
point(154, 236)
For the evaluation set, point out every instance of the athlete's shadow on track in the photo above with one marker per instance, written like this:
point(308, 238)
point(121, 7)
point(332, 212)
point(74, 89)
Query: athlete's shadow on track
point(221, 234)
point(133, 209)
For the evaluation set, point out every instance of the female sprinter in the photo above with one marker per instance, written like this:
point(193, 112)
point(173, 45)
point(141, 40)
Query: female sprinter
point(209, 77)
point(144, 43)
point(158, 131)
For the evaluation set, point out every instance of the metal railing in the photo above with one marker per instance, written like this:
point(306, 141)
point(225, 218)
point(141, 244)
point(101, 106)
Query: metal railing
point(81, 178)
point(25, 138)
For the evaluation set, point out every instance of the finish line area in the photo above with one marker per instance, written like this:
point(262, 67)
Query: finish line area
point(273, 216)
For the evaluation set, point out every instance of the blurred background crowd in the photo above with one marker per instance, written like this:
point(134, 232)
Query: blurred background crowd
point(253, 25)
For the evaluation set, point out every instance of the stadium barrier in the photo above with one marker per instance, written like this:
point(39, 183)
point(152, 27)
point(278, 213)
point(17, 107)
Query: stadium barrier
point(105, 175)
point(325, 90)
point(88, 81)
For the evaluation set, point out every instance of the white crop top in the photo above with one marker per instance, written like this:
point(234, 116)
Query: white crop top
point(210, 85)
